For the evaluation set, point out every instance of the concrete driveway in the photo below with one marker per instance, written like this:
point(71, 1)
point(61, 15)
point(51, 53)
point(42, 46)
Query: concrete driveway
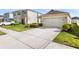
point(44, 33)
point(35, 38)
point(8, 42)
point(39, 37)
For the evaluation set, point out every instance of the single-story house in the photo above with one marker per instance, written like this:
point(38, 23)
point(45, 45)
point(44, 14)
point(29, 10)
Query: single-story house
point(75, 20)
point(55, 18)
point(26, 16)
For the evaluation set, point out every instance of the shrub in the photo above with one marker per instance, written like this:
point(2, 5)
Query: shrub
point(66, 27)
point(34, 25)
point(40, 24)
point(26, 26)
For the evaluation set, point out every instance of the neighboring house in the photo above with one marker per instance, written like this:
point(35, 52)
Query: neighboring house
point(55, 18)
point(8, 16)
point(75, 20)
point(26, 16)
point(1, 18)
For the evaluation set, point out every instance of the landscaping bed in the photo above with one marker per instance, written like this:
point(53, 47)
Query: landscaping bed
point(18, 27)
point(21, 27)
point(69, 38)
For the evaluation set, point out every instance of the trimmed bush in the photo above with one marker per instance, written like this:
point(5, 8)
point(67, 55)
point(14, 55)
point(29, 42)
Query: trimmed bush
point(33, 25)
point(40, 24)
point(66, 27)
point(26, 26)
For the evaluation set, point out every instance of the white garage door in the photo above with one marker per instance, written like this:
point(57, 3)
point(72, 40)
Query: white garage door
point(58, 22)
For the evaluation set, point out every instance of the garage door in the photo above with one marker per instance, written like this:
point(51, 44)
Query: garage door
point(58, 22)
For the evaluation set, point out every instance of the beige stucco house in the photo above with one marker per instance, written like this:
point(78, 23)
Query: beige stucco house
point(55, 18)
point(26, 16)
point(75, 20)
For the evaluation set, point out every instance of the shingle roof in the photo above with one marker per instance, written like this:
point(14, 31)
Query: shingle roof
point(1, 16)
point(75, 17)
point(55, 12)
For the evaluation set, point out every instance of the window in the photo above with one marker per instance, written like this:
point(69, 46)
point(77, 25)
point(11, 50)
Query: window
point(65, 17)
point(18, 13)
point(14, 14)
point(24, 12)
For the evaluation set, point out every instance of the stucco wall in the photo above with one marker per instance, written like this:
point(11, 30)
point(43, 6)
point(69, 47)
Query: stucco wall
point(69, 20)
point(11, 15)
point(55, 20)
point(50, 16)
point(76, 21)
point(18, 18)
point(32, 17)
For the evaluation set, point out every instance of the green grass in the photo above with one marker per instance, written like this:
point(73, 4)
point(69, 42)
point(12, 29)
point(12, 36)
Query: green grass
point(70, 38)
point(2, 33)
point(18, 27)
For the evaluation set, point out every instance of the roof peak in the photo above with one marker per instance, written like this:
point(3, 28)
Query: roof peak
point(55, 11)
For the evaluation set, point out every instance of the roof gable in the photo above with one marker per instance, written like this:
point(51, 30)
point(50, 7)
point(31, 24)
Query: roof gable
point(55, 12)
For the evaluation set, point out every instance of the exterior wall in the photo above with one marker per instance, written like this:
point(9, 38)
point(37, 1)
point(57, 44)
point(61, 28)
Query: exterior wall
point(32, 17)
point(55, 20)
point(69, 20)
point(17, 18)
point(39, 19)
point(11, 15)
point(50, 16)
point(76, 21)
point(53, 16)
point(8, 15)
point(19, 15)
point(29, 16)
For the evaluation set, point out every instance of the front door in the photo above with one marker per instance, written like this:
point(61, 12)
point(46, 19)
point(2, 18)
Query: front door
point(23, 21)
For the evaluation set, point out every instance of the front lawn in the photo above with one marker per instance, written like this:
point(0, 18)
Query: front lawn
point(70, 38)
point(18, 27)
point(2, 33)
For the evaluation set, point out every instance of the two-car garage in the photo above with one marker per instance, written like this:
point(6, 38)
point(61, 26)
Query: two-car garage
point(55, 19)
point(53, 22)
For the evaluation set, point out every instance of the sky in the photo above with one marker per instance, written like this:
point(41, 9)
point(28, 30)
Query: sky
point(73, 12)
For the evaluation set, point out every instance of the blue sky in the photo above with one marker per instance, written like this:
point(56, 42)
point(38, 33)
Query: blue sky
point(73, 12)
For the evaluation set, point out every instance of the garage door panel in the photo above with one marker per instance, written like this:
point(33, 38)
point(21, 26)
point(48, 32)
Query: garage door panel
point(53, 22)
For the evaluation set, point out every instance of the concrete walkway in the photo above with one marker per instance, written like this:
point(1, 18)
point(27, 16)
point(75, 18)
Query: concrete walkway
point(33, 39)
